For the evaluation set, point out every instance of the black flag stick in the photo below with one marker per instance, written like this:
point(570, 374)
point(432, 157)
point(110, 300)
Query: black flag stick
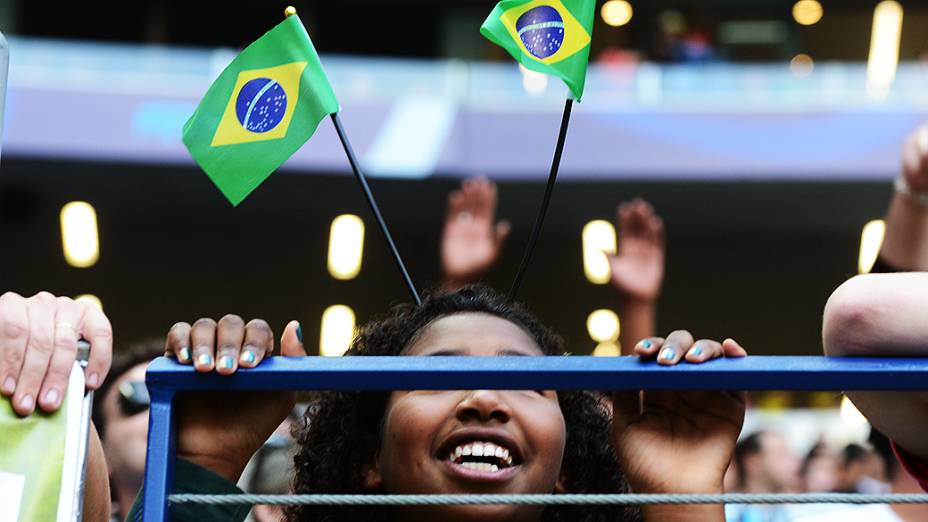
point(374, 208)
point(539, 221)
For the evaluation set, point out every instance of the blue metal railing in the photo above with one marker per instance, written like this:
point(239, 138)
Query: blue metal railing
point(165, 378)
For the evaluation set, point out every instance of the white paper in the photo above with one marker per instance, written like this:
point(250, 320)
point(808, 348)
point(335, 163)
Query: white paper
point(11, 495)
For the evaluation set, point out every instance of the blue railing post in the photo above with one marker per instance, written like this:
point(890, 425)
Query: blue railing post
point(159, 461)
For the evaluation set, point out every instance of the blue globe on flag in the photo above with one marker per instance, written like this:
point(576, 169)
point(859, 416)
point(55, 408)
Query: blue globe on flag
point(542, 31)
point(261, 105)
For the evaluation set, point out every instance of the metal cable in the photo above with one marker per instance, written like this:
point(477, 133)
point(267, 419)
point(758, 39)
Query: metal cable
point(572, 500)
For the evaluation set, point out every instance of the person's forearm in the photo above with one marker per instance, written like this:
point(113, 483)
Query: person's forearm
point(906, 243)
point(696, 513)
point(638, 319)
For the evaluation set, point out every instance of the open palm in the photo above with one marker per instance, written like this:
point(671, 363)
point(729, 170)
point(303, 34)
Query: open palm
point(638, 266)
point(471, 240)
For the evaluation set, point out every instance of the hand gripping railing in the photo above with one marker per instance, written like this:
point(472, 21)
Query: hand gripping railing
point(165, 378)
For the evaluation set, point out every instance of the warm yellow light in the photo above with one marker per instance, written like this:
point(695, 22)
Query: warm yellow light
point(850, 415)
point(617, 12)
point(871, 240)
point(807, 12)
point(346, 246)
point(603, 325)
point(801, 65)
point(533, 82)
point(884, 48)
point(607, 350)
point(598, 239)
point(79, 236)
point(337, 330)
point(90, 299)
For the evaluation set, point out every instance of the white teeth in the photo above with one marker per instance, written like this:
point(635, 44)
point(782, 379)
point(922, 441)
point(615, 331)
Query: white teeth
point(499, 452)
point(458, 452)
point(478, 450)
point(505, 456)
point(481, 449)
point(465, 450)
point(480, 466)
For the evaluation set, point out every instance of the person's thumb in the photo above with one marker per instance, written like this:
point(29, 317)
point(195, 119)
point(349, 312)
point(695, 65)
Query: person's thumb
point(291, 342)
point(503, 228)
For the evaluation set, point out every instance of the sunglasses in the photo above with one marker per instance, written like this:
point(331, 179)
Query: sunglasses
point(133, 398)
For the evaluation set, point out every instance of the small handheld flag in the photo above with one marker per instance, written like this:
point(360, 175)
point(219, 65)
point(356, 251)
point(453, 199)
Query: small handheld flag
point(547, 36)
point(263, 107)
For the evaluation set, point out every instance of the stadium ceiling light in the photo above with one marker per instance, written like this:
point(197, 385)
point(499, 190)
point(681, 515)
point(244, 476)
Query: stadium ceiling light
point(884, 48)
point(871, 240)
point(79, 237)
point(337, 332)
point(90, 299)
point(617, 12)
point(807, 12)
point(598, 239)
point(346, 246)
point(607, 350)
point(533, 82)
point(801, 65)
point(603, 326)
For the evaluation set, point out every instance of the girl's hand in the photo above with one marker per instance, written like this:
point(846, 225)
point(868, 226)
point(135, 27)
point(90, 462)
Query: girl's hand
point(678, 442)
point(38, 347)
point(221, 430)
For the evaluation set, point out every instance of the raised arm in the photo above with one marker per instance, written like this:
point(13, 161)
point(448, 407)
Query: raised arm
point(905, 246)
point(884, 315)
point(471, 240)
point(638, 271)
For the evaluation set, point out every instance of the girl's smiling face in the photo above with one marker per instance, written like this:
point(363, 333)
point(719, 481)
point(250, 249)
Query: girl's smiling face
point(480, 441)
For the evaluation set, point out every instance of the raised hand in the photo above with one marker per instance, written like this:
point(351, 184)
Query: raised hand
point(221, 430)
point(678, 442)
point(472, 239)
point(915, 160)
point(38, 347)
point(638, 266)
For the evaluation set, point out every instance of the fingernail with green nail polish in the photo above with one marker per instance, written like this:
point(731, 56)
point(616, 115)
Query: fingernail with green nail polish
point(248, 357)
point(184, 354)
point(667, 354)
point(697, 351)
point(646, 344)
point(299, 332)
point(205, 359)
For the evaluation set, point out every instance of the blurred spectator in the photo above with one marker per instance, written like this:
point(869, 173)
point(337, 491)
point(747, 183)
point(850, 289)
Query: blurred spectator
point(861, 470)
point(270, 471)
point(765, 464)
point(820, 470)
point(638, 271)
point(472, 240)
point(120, 414)
point(900, 482)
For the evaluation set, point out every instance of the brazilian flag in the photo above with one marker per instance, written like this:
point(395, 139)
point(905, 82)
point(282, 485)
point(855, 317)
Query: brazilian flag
point(547, 36)
point(263, 107)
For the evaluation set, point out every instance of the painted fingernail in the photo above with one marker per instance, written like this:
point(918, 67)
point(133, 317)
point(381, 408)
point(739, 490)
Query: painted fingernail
point(184, 354)
point(696, 351)
point(226, 362)
point(51, 397)
point(247, 357)
point(93, 379)
point(205, 359)
point(9, 385)
point(646, 344)
point(667, 354)
point(299, 332)
point(26, 402)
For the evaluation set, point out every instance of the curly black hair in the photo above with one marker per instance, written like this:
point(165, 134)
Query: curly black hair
point(342, 430)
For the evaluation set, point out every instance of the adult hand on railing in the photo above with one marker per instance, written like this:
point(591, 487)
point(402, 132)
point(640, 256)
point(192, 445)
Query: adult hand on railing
point(472, 239)
point(38, 347)
point(673, 441)
point(220, 430)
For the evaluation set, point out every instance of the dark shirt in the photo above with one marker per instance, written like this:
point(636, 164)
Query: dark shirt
point(190, 478)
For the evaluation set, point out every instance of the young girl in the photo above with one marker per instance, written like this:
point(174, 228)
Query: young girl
point(468, 441)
